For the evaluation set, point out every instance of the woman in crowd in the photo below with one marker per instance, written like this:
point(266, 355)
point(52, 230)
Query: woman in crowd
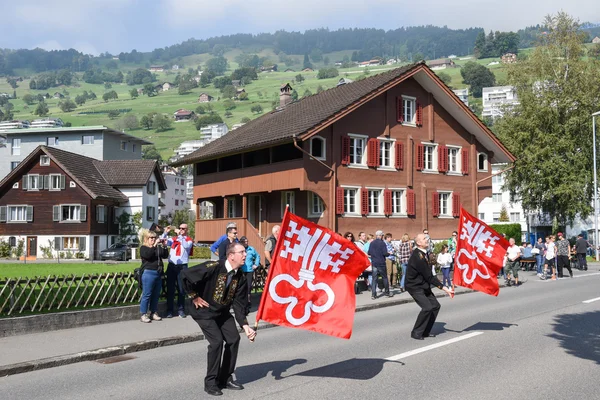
point(539, 251)
point(404, 251)
point(444, 259)
point(349, 236)
point(367, 273)
point(151, 252)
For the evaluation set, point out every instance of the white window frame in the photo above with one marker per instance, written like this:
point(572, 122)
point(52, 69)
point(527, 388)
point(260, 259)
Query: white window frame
point(90, 140)
point(445, 201)
point(391, 165)
point(513, 214)
point(323, 147)
point(498, 179)
point(285, 200)
point(16, 164)
point(52, 141)
point(375, 200)
point(231, 207)
point(23, 208)
point(15, 149)
point(496, 217)
point(485, 169)
point(433, 168)
point(494, 197)
point(458, 160)
point(101, 214)
point(150, 210)
point(315, 202)
point(352, 150)
point(72, 243)
point(123, 145)
point(409, 119)
point(398, 195)
point(481, 216)
point(39, 182)
point(51, 182)
point(44, 161)
point(76, 210)
point(357, 200)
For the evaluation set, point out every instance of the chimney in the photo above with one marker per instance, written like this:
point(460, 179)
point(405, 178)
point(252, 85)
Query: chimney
point(285, 95)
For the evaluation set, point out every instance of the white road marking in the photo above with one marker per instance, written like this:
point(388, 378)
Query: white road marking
point(591, 300)
point(537, 279)
point(433, 346)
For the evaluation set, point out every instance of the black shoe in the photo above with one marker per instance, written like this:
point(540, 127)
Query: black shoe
point(571, 274)
point(213, 391)
point(232, 385)
point(389, 295)
point(416, 337)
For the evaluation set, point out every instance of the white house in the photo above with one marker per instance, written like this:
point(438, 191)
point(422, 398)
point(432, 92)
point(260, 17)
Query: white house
point(215, 131)
point(497, 99)
point(175, 196)
point(463, 95)
point(47, 123)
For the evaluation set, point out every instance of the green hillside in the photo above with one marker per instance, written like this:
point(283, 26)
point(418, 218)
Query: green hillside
point(263, 91)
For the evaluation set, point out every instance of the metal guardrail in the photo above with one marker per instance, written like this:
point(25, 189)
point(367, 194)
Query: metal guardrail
point(19, 296)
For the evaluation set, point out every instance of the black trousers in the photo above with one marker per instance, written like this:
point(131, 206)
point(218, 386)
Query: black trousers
point(563, 262)
point(221, 358)
point(249, 277)
point(430, 308)
point(581, 257)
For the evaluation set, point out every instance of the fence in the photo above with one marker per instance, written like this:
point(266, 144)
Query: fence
point(19, 296)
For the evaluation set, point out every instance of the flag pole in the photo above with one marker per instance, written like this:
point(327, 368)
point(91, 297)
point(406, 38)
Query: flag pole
point(261, 305)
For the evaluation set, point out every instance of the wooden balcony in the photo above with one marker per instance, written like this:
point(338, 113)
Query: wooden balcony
point(209, 230)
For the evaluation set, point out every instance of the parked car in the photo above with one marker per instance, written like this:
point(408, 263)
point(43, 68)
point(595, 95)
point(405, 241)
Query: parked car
point(117, 251)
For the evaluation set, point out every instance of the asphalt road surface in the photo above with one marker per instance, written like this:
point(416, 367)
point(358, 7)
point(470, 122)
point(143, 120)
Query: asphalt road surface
point(537, 341)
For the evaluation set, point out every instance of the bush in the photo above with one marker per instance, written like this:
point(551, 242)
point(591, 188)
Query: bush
point(510, 230)
point(5, 249)
point(201, 252)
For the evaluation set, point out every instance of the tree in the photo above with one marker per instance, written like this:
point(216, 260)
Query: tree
point(325, 73)
point(307, 93)
point(32, 84)
point(306, 63)
point(150, 90)
point(243, 96)
point(503, 214)
point(549, 131)
point(200, 110)
point(67, 105)
point(12, 82)
point(320, 89)
point(594, 51)
point(229, 104)
point(326, 60)
point(316, 55)
point(228, 114)
point(257, 109)
point(245, 120)
point(208, 120)
point(134, 93)
point(299, 78)
point(107, 85)
point(229, 92)
point(150, 153)
point(217, 65)
point(294, 94)
point(221, 82)
point(445, 77)
point(80, 99)
point(41, 109)
point(112, 95)
point(477, 76)
point(184, 87)
point(112, 114)
point(130, 122)
point(139, 76)
point(29, 99)
point(161, 123)
point(146, 122)
point(479, 44)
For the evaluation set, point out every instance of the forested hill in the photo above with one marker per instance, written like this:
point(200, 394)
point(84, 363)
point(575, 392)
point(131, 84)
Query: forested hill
point(419, 42)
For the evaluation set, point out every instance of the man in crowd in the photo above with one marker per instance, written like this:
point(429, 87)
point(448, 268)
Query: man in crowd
point(563, 248)
point(378, 252)
point(270, 245)
point(231, 236)
point(390, 261)
point(419, 280)
point(513, 254)
point(214, 248)
point(250, 265)
point(182, 247)
point(362, 240)
point(214, 287)
point(581, 246)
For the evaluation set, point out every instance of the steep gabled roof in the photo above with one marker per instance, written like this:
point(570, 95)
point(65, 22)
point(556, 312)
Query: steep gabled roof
point(304, 117)
point(130, 172)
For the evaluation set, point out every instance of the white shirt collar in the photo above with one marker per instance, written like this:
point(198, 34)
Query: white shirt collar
point(228, 266)
point(423, 250)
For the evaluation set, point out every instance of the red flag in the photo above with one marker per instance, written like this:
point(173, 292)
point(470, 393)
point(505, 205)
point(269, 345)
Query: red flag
point(479, 255)
point(311, 279)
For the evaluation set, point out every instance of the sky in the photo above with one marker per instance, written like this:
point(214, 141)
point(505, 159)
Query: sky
point(96, 26)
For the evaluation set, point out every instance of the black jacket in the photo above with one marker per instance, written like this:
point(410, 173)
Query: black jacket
point(152, 256)
point(208, 280)
point(378, 252)
point(418, 273)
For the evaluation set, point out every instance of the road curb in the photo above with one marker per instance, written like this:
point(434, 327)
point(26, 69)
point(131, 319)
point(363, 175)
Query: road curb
point(112, 351)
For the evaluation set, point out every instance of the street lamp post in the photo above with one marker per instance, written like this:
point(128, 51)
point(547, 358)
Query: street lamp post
point(595, 188)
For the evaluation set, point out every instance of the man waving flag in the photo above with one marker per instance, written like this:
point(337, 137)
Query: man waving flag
point(311, 279)
point(479, 255)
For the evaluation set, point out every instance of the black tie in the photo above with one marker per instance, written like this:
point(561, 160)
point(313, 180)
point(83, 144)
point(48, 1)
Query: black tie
point(229, 277)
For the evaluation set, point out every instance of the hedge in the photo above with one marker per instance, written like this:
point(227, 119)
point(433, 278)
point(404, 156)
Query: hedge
point(510, 230)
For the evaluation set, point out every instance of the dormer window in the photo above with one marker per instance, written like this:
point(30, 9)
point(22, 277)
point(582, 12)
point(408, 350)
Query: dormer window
point(44, 160)
point(317, 147)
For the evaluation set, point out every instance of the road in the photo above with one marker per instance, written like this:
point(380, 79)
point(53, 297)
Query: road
point(537, 341)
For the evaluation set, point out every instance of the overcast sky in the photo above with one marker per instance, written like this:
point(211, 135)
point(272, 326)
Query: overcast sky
point(95, 26)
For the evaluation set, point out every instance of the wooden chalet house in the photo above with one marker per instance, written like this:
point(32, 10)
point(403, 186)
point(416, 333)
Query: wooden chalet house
point(72, 201)
point(396, 151)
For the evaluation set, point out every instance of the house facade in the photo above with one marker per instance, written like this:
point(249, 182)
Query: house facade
point(98, 142)
point(205, 98)
point(214, 131)
point(441, 63)
point(58, 201)
point(175, 196)
point(396, 151)
point(463, 95)
point(497, 99)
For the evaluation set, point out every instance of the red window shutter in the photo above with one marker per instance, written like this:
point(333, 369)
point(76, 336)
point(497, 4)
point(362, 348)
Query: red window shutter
point(442, 159)
point(373, 153)
point(387, 202)
point(465, 161)
point(435, 203)
point(455, 204)
point(364, 195)
point(339, 200)
point(410, 202)
point(399, 113)
point(419, 114)
point(399, 155)
point(420, 157)
point(345, 150)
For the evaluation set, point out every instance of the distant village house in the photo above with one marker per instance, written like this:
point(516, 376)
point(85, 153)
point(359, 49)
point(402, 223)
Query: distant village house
point(205, 98)
point(442, 63)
